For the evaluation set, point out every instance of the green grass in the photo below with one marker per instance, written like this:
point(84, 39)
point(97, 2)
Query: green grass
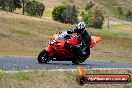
point(49, 79)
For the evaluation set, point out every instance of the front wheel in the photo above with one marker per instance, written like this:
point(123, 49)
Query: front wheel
point(43, 57)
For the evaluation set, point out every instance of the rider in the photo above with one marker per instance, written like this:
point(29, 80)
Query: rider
point(83, 37)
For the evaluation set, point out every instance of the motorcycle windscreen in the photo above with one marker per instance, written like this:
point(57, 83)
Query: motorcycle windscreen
point(94, 41)
point(63, 36)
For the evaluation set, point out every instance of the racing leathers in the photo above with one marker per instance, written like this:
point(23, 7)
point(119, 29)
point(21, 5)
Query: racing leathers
point(83, 47)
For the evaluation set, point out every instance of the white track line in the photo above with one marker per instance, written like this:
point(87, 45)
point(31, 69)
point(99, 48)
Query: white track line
point(62, 70)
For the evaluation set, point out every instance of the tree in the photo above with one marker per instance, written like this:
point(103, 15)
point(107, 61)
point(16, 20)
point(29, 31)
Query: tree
point(65, 14)
point(86, 16)
point(94, 17)
point(97, 18)
point(57, 13)
point(17, 4)
point(10, 5)
point(120, 11)
point(2, 5)
point(129, 15)
point(69, 15)
point(72, 1)
point(34, 8)
point(89, 5)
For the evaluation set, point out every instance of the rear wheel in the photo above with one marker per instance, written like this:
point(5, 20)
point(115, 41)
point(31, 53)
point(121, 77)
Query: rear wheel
point(76, 62)
point(43, 57)
point(81, 59)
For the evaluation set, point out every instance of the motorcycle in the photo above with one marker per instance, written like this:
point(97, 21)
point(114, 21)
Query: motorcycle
point(56, 50)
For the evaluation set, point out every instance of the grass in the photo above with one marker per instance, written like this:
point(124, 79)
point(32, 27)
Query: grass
point(19, 33)
point(115, 45)
point(47, 13)
point(24, 35)
point(112, 6)
point(49, 79)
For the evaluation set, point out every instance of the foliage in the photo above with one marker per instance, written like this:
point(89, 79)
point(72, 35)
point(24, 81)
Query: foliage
point(10, 5)
point(69, 15)
point(34, 8)
point(129, 15)
point(97, 18)
point(65, 14)
point(120, 12)
point(86, 16)
point(17, 4)
point(89, 5)
point(94, 17)
point(23, 2)
point(57, 13)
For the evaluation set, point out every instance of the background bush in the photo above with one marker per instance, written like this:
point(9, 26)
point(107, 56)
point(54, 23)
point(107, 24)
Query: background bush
point(97, 18)
point(86, 16)
point(57, 13)
point(89, 5)
point(34, 8)
point(65, 14)
point(94, 16)
point(10, 5)
point(129, 15)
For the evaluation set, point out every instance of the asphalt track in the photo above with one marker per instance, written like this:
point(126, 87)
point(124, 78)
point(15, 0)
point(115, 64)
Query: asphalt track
point(10, 63)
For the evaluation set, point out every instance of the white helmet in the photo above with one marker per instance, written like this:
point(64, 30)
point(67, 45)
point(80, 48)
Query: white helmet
point(81, 27)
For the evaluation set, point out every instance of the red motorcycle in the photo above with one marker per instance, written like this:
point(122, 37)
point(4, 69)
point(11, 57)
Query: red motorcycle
point(56, 51)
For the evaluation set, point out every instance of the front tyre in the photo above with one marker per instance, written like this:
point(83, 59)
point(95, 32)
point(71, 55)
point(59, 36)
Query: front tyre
point(43, 57)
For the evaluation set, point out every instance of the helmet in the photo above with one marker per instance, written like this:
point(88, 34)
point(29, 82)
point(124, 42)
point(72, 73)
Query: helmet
point(81, 27)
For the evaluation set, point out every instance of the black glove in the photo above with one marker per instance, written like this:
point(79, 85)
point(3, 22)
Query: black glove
point(66, 45)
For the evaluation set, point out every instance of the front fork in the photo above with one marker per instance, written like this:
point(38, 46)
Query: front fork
point(50, 50)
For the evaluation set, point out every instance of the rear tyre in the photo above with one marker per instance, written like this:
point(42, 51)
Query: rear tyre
point(81, 59)
point(76, 62)
point(43, 57)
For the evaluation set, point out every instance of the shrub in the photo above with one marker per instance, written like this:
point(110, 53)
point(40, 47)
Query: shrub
point(86, 16)
point(94, 17)
point(57, 13)
point(120, 12)
point(10, 5)
point(97, 18)
point(129, 15)
point(34, 8)
point(69, 15)
point(65, 14)
point(89, 5)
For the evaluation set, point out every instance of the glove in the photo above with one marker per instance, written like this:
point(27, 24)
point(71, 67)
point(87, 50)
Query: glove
point(66, 45)
point(77, 46)
point(69, 31)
